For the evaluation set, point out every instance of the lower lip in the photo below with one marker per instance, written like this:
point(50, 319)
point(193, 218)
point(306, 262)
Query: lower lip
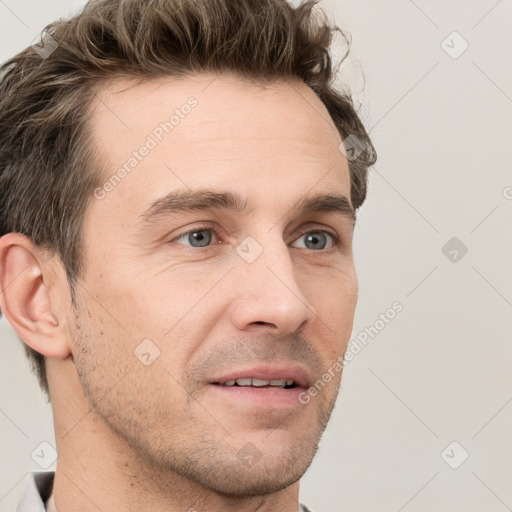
point(268, 397)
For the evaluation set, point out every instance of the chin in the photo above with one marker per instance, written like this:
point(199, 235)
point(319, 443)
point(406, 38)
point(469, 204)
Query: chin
point(255, 481)
point(253, 473)
point(251, 486)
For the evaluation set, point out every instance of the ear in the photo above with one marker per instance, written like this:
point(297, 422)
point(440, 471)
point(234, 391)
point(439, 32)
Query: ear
point(24, 297)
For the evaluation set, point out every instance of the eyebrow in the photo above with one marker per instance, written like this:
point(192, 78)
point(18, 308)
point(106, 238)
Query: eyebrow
point(197, 200)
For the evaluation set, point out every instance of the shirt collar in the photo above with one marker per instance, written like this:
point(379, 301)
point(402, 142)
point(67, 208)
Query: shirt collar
point(36, 490)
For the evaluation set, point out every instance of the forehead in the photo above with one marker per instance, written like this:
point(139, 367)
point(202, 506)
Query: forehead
point(210, 130)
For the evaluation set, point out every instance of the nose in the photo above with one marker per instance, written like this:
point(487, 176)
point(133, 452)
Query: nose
point(268, 297)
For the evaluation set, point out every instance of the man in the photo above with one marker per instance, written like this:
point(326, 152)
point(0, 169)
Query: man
point(177, 218)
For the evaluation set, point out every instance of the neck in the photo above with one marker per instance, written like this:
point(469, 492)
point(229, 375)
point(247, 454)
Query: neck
point(88, 486)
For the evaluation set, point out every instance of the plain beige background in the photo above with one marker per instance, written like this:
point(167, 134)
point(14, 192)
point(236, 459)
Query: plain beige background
point(424, 419)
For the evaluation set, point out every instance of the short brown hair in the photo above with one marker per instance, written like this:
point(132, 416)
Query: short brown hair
point(46, 162)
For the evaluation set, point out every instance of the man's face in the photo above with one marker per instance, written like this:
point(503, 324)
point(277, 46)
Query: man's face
point(175, 301)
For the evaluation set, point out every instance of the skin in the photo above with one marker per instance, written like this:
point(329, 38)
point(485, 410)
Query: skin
point(129, 434)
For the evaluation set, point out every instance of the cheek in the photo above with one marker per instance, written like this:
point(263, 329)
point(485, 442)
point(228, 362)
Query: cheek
point(334, 303)
point(102, 346)
point(158, 304)
point(171, 307)
point(116, 368)
point(138, 402)
point(334, 292)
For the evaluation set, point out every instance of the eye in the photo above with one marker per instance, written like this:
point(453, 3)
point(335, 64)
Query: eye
point(316, 240)
point(202, 236)
point(199, 237)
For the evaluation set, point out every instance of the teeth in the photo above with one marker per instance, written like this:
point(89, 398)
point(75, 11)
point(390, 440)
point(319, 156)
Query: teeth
point(244, 382)
point(259, 382)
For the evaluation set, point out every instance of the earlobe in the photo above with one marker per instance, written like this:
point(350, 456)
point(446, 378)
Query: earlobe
point(25, 299)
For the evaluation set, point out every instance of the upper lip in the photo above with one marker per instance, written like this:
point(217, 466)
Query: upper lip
point(265, 372)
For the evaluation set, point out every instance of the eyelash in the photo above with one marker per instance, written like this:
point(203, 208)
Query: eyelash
point(212, 227)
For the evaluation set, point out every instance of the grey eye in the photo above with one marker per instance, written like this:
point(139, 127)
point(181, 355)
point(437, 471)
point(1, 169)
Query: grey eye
point(196, 238)
point(315, 240)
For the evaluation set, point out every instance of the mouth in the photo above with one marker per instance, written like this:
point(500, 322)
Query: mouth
point(258, 383)
point(262, 386)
